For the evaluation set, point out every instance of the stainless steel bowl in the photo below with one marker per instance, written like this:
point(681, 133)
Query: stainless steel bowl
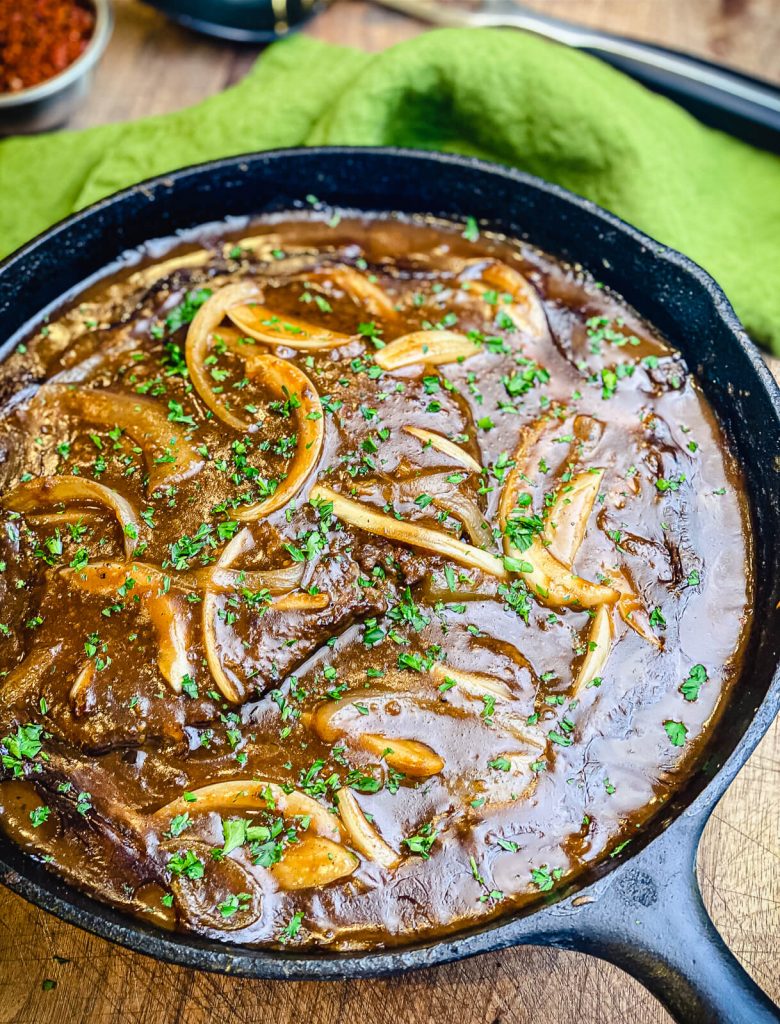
point(51, 103)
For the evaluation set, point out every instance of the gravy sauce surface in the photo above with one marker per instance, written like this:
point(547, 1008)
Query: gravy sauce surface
point(360, 579)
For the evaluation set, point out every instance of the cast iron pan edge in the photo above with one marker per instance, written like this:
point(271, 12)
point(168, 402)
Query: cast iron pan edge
point(643, 912)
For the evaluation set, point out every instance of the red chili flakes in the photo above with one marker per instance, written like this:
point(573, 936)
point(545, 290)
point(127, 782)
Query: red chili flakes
point(40, 38)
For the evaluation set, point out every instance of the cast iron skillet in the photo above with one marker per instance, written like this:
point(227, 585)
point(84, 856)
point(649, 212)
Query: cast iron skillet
point(643, 910)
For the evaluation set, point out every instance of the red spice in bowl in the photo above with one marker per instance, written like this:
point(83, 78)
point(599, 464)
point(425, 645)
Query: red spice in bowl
point(40, 38)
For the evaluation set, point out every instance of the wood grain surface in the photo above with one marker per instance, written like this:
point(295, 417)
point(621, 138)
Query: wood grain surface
point(51, 972)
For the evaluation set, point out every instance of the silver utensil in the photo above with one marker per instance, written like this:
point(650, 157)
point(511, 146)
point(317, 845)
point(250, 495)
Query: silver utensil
point(724, 98)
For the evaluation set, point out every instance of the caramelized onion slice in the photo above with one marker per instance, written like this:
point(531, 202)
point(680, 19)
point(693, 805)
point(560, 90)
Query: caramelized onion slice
point(446, 447)
point(312, 863)
point(253, 795)
point(467, 512)
point(431, 347)
point(170, 624)
point(324, 719)
point(632, 611)
point(227, 581)
point(531, 736)
point(226, 686)
point(363, 836)
point(408, 756)
point(110, 351)
point(547, 578)
point(475, 684)
point(105, 578)
point(556, 585)
point(450, 499)
point(51, 490)
point(364, 291)
point(77, 694)
point(148, 275)
point(236, 342)
point(525, 310)
point(143, 420)
point(196, 350)
point(280, 329)
point(302, 603)
point(286, 378)
point(168, 617)
point(568, 517)
point(436, 541)
point(600, 638)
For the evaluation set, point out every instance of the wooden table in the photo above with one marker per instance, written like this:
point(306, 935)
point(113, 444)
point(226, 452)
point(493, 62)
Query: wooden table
point(153, 67)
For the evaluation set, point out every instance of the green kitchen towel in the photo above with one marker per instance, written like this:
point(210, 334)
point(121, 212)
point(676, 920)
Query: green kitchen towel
point(501, 95)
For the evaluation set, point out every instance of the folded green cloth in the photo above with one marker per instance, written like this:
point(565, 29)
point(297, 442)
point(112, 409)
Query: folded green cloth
point(501, 95)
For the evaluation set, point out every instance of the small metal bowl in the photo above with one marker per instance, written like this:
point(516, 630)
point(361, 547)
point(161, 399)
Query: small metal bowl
point(51, 103)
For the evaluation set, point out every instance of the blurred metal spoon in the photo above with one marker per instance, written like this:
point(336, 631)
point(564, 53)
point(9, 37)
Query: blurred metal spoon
point(719, 96)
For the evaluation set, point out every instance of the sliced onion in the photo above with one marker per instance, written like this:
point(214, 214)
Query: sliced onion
point(408, 756)
point(68, 515)
point(475, 684)
point(368, 293)
point(435, 541)
point(479, 685)
point(529, 735)
point(226, 686)
point(312, 863)
point(77, 695)
point(105, 578)
point(302, 603)
point(280, 329)
point(143, 420)
point(600, 637)
point(505, 789)
point(118, 347)
point(632, 611)
point(227, 581)
point(556, 585)
point(363, 836)
point(167, 615)
point(446, 447)
point(285, 377)
point(323, 720)
point(52, 490)
point(525, 310)
point(170, 624)
point(148, 275)
point(199, 336)
point(452, 501)
point(467, 512)
point(254, 795)
point(568, 517)
point(236, 342)
point(430, 347)
point(547, 578)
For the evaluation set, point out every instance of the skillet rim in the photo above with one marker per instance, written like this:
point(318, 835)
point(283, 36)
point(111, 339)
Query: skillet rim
point(538, 925)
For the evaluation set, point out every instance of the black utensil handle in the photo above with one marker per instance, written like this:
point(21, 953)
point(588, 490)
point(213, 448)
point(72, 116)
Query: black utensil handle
point(717, 95)
point(724, 99)
point(746, 107)
point(655, 926)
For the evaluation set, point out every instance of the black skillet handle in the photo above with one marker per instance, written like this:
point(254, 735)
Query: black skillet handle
point(720, 97)
point(651, 922)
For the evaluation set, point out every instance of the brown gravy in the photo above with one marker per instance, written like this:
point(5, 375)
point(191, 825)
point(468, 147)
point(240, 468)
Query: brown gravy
point(385, 591)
